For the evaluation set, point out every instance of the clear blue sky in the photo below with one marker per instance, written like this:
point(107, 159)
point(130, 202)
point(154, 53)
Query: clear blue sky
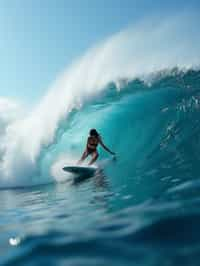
point(39, 38)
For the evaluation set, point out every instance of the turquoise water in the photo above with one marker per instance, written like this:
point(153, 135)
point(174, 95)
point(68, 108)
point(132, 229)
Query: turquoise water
point(142, 209)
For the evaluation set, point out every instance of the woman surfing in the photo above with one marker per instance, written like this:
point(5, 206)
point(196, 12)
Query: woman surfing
point(91, 148)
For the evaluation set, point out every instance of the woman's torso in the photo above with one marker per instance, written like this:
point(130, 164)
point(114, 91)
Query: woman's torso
point(92, 142)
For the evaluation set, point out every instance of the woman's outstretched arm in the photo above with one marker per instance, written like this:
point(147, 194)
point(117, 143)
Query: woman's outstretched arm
point(104, 146)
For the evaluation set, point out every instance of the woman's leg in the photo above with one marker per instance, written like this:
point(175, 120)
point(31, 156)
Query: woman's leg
point(95, 155)
point(84, 155)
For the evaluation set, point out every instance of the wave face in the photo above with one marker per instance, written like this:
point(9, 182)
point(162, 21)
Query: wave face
point(154, 129)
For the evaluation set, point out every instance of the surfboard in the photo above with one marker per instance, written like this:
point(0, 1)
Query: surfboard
point(80, 170)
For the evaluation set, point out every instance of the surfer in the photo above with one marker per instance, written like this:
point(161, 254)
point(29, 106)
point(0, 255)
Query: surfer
point(91, 148)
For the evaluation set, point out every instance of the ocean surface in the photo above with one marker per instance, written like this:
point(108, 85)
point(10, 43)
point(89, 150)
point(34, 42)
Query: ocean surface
point(141, 209)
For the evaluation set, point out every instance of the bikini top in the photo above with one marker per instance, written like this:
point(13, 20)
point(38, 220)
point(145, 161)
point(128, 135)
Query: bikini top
point(93, 142)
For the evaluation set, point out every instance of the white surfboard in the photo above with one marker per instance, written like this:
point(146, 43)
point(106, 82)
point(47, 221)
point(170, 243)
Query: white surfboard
point(80, 170)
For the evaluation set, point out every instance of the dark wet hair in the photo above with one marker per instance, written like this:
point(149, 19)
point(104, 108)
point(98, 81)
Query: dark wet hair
point(93, 132)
